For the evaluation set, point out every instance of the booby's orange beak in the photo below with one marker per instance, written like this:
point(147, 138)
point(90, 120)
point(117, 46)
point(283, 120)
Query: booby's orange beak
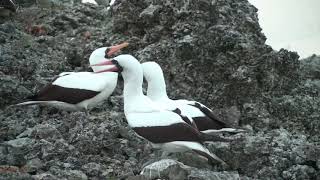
point(105, 63)
point(113, 49)
point(115, 68)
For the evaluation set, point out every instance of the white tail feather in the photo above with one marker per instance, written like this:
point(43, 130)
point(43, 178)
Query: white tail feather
point(30, 103)
point(56, 104)
point(200, 149)
point(231, 130)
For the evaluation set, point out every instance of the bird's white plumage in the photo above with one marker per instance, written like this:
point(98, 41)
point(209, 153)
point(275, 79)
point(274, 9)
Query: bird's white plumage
point(11, 1)
point(159, 118)
point(89, 1)
point(102, 83)
point(112, 2)
point(182, 146)
point(209, 131)
point(56, 104)
point(87, 80)
point(184, 106)
point(157, 93)
point(96, 57)
point(141, 112)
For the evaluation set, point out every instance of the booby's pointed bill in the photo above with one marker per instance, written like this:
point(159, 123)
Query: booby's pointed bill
point(114, 68)
point(105, 63)
point(113, 49)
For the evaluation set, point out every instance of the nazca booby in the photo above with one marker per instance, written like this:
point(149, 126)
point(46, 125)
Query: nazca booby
point(163, 128)
point(205, 120)
point(76, 91)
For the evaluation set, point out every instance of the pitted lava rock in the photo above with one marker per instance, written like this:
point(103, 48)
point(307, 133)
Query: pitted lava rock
point(211, 51)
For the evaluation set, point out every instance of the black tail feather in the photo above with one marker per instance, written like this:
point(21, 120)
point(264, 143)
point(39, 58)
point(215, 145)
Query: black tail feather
point(213, 137)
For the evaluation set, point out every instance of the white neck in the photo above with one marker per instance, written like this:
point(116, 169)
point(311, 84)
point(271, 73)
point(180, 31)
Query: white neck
point(132, 86)
point(97, 56)
point(132, 93)
point(157, 88)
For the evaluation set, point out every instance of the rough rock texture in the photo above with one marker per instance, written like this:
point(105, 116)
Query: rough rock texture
point(211, 51)
point(171, 169)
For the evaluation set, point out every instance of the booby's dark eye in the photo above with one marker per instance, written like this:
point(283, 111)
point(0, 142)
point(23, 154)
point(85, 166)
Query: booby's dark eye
point(115, 62)
point(106, 53)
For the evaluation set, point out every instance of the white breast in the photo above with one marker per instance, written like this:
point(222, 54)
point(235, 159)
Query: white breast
point(162, 118)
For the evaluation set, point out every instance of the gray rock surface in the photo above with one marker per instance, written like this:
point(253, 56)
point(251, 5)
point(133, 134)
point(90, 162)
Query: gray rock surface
point(171, 169)
point(211, 51)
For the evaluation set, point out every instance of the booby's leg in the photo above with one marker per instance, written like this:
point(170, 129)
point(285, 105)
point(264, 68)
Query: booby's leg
point(87, 112)
point(90, 117)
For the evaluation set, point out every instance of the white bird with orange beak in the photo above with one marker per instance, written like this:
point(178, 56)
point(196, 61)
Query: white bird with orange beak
point(165, 129)
point(80, 91)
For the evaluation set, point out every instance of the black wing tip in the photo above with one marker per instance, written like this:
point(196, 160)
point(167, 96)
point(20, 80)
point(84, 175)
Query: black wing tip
point(184, 118)
point(177, 111)
point(210, 114)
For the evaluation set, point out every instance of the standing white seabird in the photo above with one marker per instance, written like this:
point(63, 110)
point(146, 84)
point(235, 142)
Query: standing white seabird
point(163, 128)
point(76, 91)
point(201, 115)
